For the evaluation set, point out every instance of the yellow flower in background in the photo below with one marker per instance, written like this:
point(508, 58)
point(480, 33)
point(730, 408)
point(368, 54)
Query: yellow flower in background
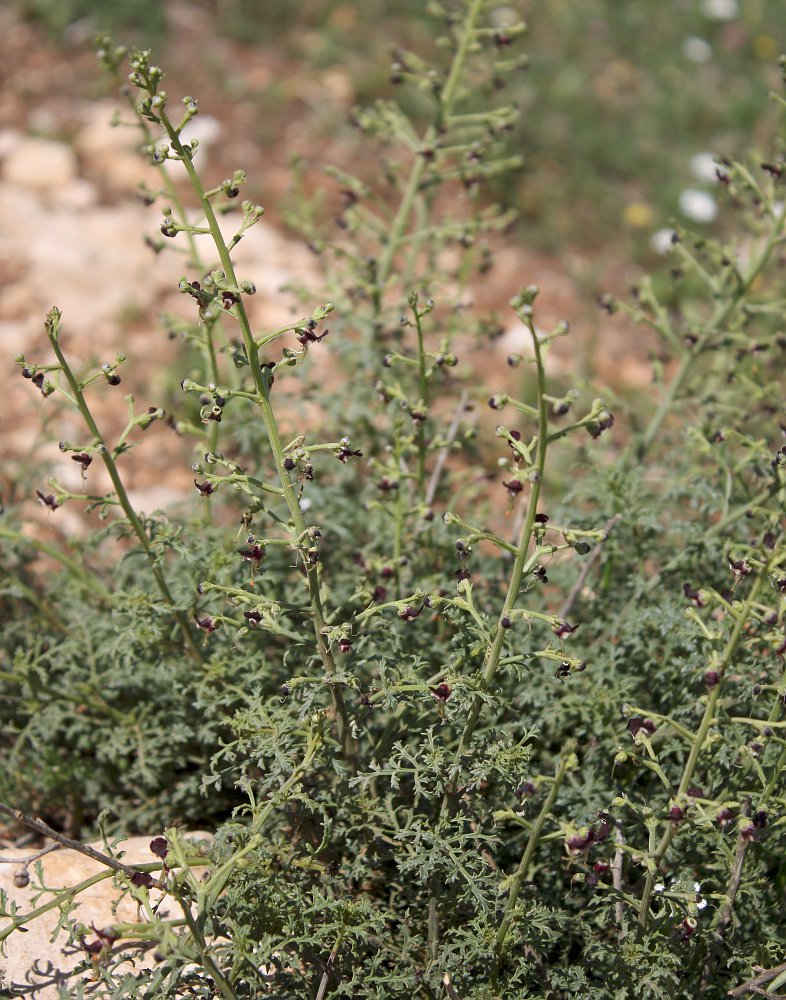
point(637, 215)
point(764, 47)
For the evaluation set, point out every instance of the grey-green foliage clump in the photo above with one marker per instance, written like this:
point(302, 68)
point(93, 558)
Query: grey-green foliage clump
point(446, 753)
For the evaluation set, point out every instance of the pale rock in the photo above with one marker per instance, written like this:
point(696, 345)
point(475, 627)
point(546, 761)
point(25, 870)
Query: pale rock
point(9, 139)
point(111, 153)
point(35, 967)
point(77, 195)
point(40, 163)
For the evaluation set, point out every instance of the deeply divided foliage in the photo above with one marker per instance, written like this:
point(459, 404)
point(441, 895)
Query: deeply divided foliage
point(446, 752)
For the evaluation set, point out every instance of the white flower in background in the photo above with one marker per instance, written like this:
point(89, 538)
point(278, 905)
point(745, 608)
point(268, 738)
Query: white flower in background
point(697, 50)
point(699, 206)
point(504, 17)
point(720, 10)
point(661, 242)
point(703, 167)
point(700, 902)
point(304, 503)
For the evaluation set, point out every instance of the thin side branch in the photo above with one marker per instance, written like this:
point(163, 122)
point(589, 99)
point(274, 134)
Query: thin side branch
point(42, 828)
point(754, 985)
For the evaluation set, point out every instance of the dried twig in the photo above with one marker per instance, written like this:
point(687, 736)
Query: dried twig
point(616, 876)
point(39, 826)
point(755, 985)
point(33, 857)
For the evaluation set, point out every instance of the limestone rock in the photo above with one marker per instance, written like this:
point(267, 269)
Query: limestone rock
point(35, 967)
point(40, 163)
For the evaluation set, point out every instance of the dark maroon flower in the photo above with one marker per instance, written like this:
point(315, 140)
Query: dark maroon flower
point(637, 725)
point(711, 678)
point(386, 485)
point(306, 334)
point(514, 487)
point(601, 867)
point(759, 819)
point(442, 692)
point(739, 567)
point(463, 574)
point(386, 572)
point(597, 427)
point(693, 595)
point(724, 817)
point(141, 879)
point(696, 793)
point(345, 452)
point(83, 459)
point(105, 934)
point(748, 833)
point(541, 519)
point(344, 645)
point(676, 814)
point(688, 928)
point(253, 618)
point(540, 574)
point(505, 622)
point(207, 624)
point(409, 613)
point(159, 847)
point(525, 790)
point(48, 500)
point(580, 842)
point(379, 594)
point(590, 880)
point(562, 628)
point(205, 489)
point(254, 553)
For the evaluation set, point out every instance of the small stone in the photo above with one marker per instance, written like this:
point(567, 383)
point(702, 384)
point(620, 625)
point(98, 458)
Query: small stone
point(40, 163)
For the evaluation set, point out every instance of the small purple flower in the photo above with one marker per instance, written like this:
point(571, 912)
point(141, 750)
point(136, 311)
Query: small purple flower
point(442, 692)
point(205, 489)
point(253, 618)
point(694, 595)
point(562, 628)
point(47, 500)
point(207, 624)
point(637, 725)
point(159, 847)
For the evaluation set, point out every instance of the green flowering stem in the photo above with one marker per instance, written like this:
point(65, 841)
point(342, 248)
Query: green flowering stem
point(262, 386)
point(717, 322)
point(53, 329)
point(447, 99)
point(521, 560)
point(708, 720)
point(566, 761)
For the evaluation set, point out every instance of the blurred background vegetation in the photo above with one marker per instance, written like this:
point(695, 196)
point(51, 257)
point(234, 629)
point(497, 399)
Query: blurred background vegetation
point(624, 103)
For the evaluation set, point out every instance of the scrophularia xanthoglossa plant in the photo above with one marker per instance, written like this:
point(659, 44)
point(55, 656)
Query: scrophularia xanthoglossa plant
point(446, 752)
